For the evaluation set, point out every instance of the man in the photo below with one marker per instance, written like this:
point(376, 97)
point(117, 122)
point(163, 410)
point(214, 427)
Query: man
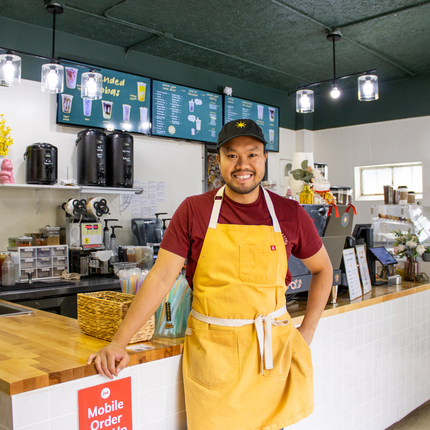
point(245, 366)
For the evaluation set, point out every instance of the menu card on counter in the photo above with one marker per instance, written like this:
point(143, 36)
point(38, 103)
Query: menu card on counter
point(364, 268)
point(352, 276)
point(267, 117)
point(185, 113)
point(125, 103)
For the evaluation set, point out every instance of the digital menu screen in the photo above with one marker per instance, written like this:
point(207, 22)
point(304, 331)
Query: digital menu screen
point(267, 117)
point(125, 103)
point(185, 113)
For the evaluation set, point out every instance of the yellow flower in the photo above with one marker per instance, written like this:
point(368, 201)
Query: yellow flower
point(5, 138)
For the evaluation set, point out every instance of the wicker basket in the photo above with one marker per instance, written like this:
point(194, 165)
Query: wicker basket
point(100, 314)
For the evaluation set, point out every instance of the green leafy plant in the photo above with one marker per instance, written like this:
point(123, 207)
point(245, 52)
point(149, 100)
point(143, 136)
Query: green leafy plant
point(304, 174)
point(407, 244)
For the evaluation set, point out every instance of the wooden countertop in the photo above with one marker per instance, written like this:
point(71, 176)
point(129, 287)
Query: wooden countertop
point(44, 349)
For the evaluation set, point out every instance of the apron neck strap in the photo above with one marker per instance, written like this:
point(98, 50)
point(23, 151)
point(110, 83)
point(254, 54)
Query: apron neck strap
point(216, 209)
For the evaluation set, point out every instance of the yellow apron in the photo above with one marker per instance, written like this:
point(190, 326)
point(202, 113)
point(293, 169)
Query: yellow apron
point(245, 366)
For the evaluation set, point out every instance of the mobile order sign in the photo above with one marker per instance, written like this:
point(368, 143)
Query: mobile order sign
point(106, 406)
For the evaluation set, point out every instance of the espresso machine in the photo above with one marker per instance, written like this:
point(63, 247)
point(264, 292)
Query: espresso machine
point(81, 228)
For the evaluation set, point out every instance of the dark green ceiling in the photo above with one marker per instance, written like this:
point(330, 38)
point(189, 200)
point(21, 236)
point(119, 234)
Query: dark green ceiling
point(275, 43)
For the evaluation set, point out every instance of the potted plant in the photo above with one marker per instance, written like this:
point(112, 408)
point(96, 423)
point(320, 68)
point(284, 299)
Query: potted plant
point(408, 245)
point(305, 175)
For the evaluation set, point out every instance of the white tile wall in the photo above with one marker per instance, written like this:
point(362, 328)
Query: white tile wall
point(371, 368)
point(157, 400)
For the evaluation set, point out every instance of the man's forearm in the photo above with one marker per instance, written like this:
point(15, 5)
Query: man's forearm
point(319, 291)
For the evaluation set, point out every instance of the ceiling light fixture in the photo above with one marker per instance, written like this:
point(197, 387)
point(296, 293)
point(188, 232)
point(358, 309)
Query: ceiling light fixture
point(10, 69)
point(52, 80)
point(305, 101)
point(368, 88)
point(91, 85)
point(367, 83)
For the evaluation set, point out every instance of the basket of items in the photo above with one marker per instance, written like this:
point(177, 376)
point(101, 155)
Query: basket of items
point(101, 313)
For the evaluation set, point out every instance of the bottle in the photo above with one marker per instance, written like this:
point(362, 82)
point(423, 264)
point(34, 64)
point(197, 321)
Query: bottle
point(289, 193)
point(114, 257)
point(8, 272)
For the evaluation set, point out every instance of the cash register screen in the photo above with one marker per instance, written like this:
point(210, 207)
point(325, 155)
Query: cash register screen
point(384, 257)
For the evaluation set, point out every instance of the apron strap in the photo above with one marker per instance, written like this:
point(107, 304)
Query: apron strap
point(263, 326)
point(216, 209)
point(269, 204)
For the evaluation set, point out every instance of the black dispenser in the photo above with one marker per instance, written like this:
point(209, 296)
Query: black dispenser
point(91, 158)
point(41, 164)
point(119, 160)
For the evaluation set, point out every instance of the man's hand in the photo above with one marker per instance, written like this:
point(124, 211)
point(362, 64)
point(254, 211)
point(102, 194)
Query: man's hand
point(105, 360)
point(306, 334)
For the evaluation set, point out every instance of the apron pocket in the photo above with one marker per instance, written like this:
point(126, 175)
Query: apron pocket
point(258, 264)
point(213, 357)
point(282, 352)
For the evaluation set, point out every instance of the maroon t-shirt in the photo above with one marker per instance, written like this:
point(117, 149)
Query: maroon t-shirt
point(187, 229)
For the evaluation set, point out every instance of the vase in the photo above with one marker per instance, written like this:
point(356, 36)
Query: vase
point(411, 269)
point(307, 195)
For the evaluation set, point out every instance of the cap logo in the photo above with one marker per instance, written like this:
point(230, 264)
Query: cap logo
point(241, 124)
point(273, 248)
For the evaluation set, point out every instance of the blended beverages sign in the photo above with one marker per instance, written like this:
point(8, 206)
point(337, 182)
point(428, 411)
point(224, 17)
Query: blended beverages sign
point(106, 406)
point(125, 103)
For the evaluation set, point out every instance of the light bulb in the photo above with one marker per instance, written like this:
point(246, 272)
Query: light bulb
point(91, 87)
point(368, 88)
point(8, 72)
point(335, 93)
point(305, 102)
point(52, 80)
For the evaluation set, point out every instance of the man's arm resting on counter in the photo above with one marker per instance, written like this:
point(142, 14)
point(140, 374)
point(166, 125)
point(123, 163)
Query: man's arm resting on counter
point(319, 290)
point(157, 284)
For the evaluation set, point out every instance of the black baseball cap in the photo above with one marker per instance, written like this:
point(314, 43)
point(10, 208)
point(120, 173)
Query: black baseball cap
point(240, 127)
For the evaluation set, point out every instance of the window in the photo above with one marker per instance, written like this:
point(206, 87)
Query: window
point(370, 180)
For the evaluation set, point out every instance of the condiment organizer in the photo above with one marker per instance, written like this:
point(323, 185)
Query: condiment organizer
point(43, 262)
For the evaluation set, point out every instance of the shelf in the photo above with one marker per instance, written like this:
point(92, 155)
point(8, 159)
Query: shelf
point(41, 187)
point(81, 189)
point(110, 190)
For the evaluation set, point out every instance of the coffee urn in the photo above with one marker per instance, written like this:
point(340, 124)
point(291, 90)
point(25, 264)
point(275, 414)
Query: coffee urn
point(119, 160)
point(41, 164)
point(91, 158)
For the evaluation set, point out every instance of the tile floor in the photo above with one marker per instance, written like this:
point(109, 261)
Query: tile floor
point(419, 419)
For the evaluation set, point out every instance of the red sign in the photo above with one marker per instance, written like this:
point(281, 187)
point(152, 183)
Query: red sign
point(106, 406)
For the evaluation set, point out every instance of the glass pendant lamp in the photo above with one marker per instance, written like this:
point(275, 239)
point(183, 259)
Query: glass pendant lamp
point(368, 89)
point(10, 69)
point(91, 85)
point(304, 101)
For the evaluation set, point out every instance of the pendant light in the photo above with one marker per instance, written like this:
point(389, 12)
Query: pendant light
point(10, 69)
point(368, 88)
point(334, 37)
point(52, 80)
point(91, 85)
point(367, 83)
point(304, 101)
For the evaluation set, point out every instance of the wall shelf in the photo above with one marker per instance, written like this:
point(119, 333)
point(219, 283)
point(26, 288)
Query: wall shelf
point(80, 189)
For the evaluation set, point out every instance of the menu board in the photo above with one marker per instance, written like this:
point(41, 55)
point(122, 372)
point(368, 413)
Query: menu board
point(267, 117)
point(185, 113)
point(125, 103)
